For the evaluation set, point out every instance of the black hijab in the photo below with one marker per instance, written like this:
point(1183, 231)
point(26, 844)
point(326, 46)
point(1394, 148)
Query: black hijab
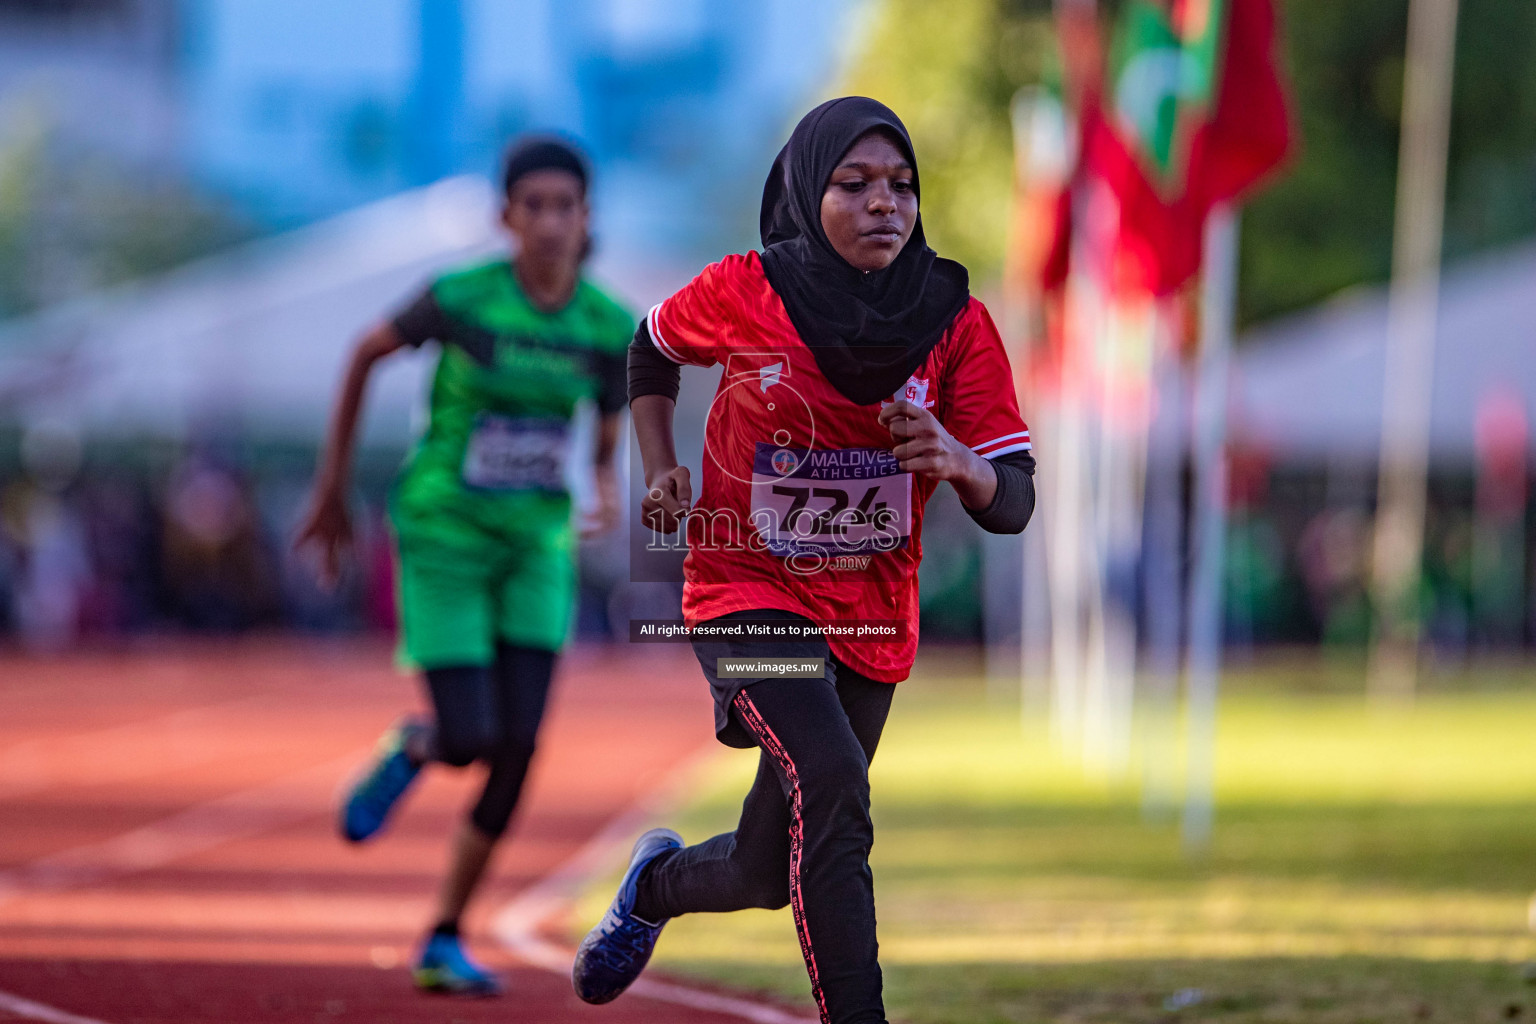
point(868, 331)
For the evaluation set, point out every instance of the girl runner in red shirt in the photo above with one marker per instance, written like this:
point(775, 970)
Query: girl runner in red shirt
point(859, 372)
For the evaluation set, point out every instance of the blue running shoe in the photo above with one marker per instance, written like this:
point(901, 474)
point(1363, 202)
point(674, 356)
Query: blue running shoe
point(372, 797)
point(614, 953)
point(444, 967)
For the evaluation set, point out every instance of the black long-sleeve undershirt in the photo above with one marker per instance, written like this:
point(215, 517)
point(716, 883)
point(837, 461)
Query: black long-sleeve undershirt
point(1014, 502)
point(651, 373)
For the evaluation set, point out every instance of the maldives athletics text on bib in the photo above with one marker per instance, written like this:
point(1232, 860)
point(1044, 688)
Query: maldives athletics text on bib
point(832, 501)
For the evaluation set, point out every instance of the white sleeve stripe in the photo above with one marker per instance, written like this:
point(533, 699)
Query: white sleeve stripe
point(1022, 446)
point(999, 440)
point(657, 339)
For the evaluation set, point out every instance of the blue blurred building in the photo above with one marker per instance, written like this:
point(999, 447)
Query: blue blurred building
point(302, 108)
point(298, 109)
point(93, 76)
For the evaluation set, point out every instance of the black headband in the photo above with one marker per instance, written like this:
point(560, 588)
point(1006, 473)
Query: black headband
point(542, 154)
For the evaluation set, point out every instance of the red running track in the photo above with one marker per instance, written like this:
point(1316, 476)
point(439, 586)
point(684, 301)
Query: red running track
point(168, 854)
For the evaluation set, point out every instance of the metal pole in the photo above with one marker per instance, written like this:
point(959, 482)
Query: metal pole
point(1163, 576)
point(1069, 505)
point(1203, 668)
point(1410, 351)
point(438, 102)
point(1043, 158)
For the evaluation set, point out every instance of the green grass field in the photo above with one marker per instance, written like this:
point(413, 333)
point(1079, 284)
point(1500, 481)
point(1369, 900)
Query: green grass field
point(1367, 865)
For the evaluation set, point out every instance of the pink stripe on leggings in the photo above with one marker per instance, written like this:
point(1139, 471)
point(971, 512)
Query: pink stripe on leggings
point(754, 721)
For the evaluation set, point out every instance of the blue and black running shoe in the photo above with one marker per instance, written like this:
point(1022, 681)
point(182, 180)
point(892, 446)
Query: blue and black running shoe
point(372, 797)
point(614, 953)
point(443, 966)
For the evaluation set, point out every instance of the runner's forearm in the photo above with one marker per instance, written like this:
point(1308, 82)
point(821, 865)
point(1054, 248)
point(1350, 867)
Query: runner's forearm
point(336, 460)
point(607, 441)
point(977, 487)
point(653, 430)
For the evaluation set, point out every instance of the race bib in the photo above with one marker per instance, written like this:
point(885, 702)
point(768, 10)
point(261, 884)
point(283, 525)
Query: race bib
point(832, 501)
point(512, 453)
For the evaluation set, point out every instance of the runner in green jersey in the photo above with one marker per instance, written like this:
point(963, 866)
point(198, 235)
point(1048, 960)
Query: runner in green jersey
point(481, 515)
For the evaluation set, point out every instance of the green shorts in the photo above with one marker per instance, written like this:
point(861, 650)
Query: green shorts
point(459, 596)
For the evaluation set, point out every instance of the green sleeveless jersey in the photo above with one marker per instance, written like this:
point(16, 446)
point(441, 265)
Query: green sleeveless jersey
point(507, 383)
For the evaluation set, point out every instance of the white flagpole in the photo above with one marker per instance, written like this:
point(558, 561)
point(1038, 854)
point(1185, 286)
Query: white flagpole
point(1068, 505)
point(1162, 576)
point(1043, 156)
point(1410, 353)
point(1203, 669)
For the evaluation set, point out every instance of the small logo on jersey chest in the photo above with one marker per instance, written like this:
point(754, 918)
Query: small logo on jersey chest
point(914, 391)
point(785, 462)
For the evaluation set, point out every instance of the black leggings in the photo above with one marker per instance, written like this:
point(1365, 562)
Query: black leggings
point(804, 835)
point(492, 714)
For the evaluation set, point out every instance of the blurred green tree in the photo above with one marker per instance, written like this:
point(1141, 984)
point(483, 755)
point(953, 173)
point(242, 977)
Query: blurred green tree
point(72, 222)
point(950, 70)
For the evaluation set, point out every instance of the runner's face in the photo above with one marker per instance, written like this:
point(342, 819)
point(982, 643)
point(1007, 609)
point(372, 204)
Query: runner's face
point(869, 208)
point(546, 212)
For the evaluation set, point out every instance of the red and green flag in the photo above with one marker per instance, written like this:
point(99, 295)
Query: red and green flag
point(1163, 82)
point(1193, 113)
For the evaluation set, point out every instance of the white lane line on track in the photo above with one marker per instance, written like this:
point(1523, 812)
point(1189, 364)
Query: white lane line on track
point(516, 925)
point(28, 1010)
point(244, 814)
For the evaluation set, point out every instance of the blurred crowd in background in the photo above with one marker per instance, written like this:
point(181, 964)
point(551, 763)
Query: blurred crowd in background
point(201, 543)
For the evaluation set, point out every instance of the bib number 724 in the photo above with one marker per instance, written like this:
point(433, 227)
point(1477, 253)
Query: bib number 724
point(807, 523)
point(835, 501)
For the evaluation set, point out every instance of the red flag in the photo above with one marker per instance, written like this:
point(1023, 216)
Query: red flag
point(1206, 152)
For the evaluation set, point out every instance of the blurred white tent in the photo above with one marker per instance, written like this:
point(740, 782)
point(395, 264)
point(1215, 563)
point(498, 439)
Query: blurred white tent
point(1308, 387)
point(253, 340)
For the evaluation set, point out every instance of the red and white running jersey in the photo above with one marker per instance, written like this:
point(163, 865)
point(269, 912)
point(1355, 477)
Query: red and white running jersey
point(802, 506)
